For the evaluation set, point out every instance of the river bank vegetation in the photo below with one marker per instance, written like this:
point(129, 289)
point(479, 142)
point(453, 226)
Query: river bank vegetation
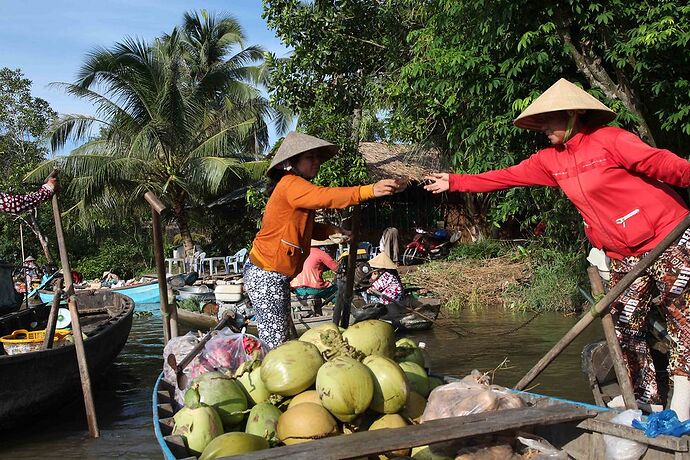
point(187, 116)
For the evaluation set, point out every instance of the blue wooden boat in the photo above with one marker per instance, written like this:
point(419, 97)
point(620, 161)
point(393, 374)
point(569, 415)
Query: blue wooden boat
point(139, 293)
point(571, 426)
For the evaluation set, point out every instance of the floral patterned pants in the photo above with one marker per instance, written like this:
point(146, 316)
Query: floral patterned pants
point(668, 276)
point(270, 296)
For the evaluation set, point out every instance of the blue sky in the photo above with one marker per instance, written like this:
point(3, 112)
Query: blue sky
point(48, 40)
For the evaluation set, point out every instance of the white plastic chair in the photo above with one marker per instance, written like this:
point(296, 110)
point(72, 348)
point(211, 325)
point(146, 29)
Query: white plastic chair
point(236, 261)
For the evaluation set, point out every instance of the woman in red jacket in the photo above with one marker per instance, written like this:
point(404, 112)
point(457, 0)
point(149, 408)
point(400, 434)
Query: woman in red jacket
point(283, 243)
point(621, 187)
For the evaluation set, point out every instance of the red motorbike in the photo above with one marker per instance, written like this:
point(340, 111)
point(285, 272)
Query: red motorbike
point(427, 246)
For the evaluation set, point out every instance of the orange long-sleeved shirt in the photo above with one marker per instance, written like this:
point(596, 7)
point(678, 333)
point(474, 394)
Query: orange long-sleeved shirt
point(283, 243)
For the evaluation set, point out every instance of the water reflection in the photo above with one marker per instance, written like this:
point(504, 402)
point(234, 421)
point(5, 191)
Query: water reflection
point(459, 344)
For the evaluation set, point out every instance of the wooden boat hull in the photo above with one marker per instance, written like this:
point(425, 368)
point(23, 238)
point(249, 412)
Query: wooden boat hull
point(31, 383)
point(574, 427)
point(140, 293)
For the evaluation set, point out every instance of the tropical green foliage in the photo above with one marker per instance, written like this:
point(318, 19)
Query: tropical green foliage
point(181, 116)
point(23, 120)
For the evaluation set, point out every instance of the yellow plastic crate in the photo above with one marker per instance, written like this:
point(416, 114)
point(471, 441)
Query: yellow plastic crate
point(23, 341)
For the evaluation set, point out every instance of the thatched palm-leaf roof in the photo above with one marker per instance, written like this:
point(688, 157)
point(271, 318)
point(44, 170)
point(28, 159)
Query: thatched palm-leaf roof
point(403, 161)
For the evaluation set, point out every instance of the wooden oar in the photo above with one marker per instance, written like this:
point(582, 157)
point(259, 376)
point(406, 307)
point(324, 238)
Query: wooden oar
point(605, 303)
point(76, 327)
point(615, 350)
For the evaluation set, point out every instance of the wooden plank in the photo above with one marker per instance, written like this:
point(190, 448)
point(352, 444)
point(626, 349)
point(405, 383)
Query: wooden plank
point(666, 442)
point(373, 442)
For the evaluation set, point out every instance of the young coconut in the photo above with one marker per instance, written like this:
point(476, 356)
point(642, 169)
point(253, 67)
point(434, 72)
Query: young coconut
point(414, 407)
point(305, 422)
point(390, 384)
point(230, 444)
point(219, 391)
point(253, 386)
point(345, 387)
point(417, 377)
point(291, 368)
point(425, 453)
point(390, 421)
point(311, 396)
point(263, 420)
point(198, 425)
point(314, 336)
point(372, 337)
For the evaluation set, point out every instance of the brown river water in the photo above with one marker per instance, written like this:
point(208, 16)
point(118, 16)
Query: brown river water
point(459, 343)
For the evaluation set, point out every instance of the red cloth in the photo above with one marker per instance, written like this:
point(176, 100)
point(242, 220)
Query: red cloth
point(311, 275)
point(616, 181)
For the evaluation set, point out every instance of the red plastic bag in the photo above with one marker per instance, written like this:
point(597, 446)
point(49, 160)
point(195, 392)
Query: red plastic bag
point(227, 350)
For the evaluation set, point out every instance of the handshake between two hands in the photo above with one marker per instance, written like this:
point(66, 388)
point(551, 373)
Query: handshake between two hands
point(434, 183)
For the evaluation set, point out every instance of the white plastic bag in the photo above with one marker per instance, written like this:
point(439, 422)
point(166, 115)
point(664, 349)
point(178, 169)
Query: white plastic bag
point(545, 449)
point(624, 449)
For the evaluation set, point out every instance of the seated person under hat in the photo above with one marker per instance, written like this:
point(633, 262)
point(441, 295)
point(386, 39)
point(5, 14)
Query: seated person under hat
point(310, 280)
point(385, 280)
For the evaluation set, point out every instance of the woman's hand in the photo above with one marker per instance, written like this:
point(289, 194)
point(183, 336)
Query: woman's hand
point(385, 187)
point(51, 182)
point(438, 183)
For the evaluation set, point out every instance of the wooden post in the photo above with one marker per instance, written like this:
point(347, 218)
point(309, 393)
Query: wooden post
point(52, 316)
point(341, 314)
point(156, 208)
point(172, 310)
point(604, 304)
point(76, 326)
point(614, 346)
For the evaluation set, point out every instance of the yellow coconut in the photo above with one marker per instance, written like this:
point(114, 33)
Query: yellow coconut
point(311, 396)
point(291, 368)
point(390, 384)
point(390, 421)
point(425, 453)
point(414, 408)
point(305, 422)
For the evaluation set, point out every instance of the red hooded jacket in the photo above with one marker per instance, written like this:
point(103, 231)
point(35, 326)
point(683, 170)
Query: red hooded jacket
point(616, 181)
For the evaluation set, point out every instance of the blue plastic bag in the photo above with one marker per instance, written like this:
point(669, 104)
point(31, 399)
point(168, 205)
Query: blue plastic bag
point(664, 422)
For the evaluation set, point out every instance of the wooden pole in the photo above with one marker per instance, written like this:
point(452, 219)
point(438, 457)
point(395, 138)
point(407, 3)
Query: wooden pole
point(76, 326)
point(604, 304)
point(52, 316)
point(156, 208)
point(341, 314)
point(614, 346)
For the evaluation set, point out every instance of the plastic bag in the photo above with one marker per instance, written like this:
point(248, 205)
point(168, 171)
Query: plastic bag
point(180, 347)
point(664, 422)
point(471, 395)
point(227, 350)
point(624, 449)
point(545, 449)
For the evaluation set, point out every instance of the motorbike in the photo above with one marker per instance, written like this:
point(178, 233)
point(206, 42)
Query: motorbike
point(426, 246)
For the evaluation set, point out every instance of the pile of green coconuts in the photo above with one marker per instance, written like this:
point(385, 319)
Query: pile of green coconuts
point(330, 382)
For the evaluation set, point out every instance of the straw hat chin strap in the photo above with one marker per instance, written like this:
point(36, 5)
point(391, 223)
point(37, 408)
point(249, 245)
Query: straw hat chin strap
point(572, 118)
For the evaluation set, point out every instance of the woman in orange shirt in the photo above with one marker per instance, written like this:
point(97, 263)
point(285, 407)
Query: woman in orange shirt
point(283, 243)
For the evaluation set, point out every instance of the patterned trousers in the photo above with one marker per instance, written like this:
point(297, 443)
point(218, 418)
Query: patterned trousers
point(269, 293)
point(668, 277)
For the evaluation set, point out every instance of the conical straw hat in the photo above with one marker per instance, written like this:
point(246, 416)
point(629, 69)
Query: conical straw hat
point(383, 261)
point(296, 143)
point(564, 95)
point(327, 242)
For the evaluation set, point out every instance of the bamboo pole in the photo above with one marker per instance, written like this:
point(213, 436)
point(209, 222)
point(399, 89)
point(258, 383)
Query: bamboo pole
point(169, 320)
point(76, 326)
point(52, 316)
point(614, 346)
point(604, 304)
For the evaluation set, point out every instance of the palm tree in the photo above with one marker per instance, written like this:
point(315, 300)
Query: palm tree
point(180, 116)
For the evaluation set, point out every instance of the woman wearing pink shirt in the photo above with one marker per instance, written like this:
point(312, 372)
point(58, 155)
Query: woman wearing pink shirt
point(310, 280)
point(622, 188)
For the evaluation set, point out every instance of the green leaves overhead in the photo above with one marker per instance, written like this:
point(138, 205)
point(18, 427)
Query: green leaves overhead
point(182, 116)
